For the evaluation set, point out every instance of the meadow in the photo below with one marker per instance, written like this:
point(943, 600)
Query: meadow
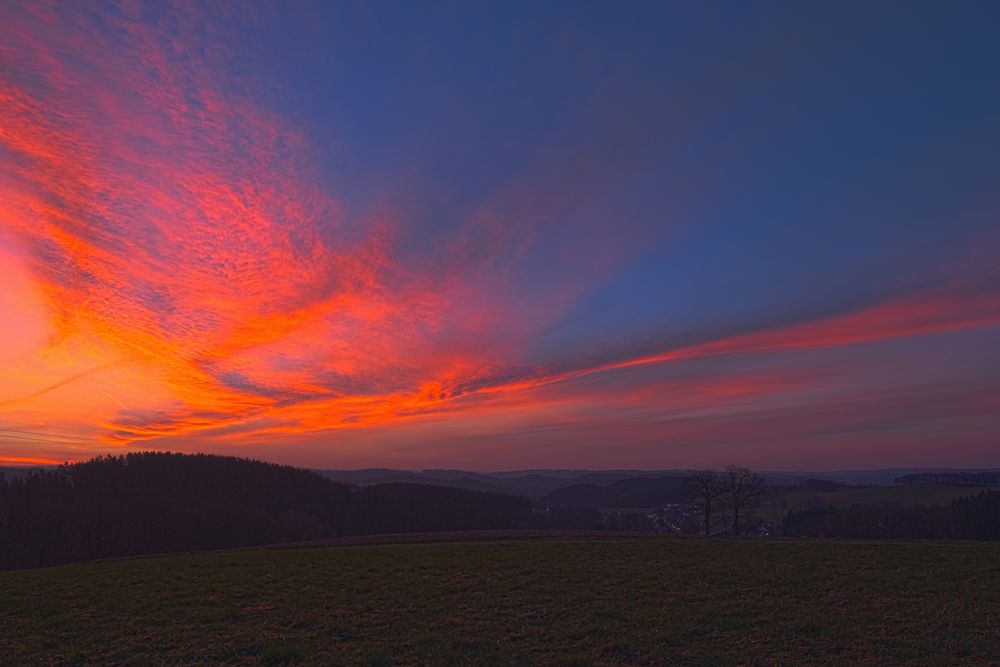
point(555, 599)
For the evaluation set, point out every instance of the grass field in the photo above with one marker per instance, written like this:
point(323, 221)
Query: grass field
point(551, 600)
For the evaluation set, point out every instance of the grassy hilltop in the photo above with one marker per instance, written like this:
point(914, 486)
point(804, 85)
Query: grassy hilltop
point(550, 600)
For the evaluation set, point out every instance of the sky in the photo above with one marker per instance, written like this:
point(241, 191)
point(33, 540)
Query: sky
point(502, 235)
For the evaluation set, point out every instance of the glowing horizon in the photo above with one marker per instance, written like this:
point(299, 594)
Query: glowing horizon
point(250, 233)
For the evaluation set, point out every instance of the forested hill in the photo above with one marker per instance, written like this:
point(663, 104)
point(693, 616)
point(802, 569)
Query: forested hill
point(160, 502)
point(977, 478)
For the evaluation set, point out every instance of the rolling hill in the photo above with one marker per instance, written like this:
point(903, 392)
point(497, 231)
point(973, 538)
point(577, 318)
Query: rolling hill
point(631, 493)
point(902, 494)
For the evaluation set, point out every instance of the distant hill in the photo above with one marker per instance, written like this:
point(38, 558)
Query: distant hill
point(975, 516)
point(776, 507)
point(467, 481)
point(528, 484)
point(579, 495)
point(648, 492)
point(536, 484)
point(158, 502)
point(876, 477)
point(634, 492)
point(953, 478)
point(152, 502)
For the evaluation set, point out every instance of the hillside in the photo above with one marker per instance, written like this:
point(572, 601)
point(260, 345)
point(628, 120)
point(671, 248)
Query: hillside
point(900, 494)
point(555, 600)
point(632, 492)
point(156, 502)
point(528, 483)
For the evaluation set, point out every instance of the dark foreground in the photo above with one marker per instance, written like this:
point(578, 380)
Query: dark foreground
point(566, 599)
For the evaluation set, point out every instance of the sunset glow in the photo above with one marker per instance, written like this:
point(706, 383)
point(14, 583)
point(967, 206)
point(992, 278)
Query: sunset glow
point(304, 250)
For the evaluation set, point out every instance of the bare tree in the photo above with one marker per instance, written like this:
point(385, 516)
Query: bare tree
point(705, 490)
point(743, 488)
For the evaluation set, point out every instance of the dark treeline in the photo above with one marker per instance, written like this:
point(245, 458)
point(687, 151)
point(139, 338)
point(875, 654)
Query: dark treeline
point(158, 502)
point(957, 478)
point(975, 517)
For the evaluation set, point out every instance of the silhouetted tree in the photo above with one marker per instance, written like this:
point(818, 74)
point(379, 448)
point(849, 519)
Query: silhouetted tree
point(743, 488)
point(705, 490)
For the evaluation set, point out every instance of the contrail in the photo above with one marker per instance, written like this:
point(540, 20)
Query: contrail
point(45, 390)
